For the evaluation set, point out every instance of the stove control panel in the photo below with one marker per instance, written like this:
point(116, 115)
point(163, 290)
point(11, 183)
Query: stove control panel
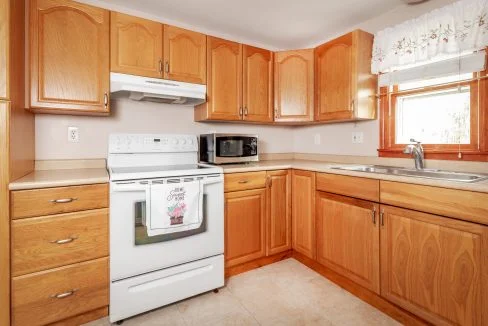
point(152, 143)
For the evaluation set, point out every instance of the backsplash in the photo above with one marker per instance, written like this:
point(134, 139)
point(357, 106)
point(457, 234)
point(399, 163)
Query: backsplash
point(139, 117)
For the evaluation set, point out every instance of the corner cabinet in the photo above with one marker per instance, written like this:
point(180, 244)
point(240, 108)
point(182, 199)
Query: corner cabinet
point(303, 212)
point(344, 86)
point(279, 212)
point(69, 57)
point(185, 55)
point(136, 46)
point(348, 238)
point(294, 86)
point(435, 267)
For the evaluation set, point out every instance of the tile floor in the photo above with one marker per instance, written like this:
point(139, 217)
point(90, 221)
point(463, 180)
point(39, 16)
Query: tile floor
point(284, 293)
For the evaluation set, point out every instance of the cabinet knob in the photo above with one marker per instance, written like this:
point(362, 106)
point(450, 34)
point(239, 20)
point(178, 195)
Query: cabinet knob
point(105, 100)
point(382, 217)
point(64, 294)
point(63, 241)
point(243, 181)
point(373, 215)
point(161, 66)
point(245, 111)
point(63, 200)
point(166, 67)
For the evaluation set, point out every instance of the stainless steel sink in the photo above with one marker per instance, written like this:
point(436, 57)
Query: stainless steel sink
point(424, 173)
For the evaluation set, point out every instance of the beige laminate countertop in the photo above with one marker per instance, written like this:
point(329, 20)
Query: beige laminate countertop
point(60, 178)
point(320, 166)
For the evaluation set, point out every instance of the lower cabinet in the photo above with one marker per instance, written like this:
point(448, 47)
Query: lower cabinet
point(245, 228)
point(279, 212)
point(348, 238)
point(303, 212)
point(435, 267)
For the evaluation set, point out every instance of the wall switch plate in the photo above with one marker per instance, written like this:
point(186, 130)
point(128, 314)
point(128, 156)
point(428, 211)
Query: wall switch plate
point(73, 135)
point(357, 137)
point(316, 139)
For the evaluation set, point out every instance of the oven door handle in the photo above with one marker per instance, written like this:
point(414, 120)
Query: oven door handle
point(128, 187)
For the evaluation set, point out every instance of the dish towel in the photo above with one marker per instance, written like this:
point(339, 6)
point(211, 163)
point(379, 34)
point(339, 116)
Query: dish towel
point(173, 207)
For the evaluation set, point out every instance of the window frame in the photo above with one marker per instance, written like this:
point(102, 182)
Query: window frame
point(477, 150)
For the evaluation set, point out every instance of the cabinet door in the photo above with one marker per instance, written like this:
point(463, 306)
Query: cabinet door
point(136, 45)
point(303, 212)
point(435, 267)
point(224, 79)
point(245, 236)
point(348, 238)
point(4, 48)
point(279, 212)
point(294, 80)
point(69, 57)
point(185, 55)
point(333, 84)
point(257, 88)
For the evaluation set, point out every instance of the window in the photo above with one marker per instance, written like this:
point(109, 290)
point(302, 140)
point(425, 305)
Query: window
point(448, 115)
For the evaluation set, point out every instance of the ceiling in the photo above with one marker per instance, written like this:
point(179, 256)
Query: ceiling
point(274, 24)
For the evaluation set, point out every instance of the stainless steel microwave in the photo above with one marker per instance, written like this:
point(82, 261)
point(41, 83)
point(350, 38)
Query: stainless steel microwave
point(228, 148)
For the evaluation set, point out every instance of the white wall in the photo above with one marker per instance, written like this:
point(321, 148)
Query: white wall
point(129, 116)
point(139, 117)
point(337, 138)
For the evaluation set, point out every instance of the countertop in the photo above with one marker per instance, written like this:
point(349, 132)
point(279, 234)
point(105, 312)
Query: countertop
point(60, 178)
point(321, 166)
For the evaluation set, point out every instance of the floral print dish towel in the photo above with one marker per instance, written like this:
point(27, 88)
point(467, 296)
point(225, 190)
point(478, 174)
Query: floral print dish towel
point(173, 207)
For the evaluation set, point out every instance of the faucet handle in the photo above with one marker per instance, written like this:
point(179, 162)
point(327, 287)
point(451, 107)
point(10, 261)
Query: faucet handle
point(414, 141)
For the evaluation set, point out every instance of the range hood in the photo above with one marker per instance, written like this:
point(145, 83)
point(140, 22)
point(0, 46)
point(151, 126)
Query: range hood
point(156, 90)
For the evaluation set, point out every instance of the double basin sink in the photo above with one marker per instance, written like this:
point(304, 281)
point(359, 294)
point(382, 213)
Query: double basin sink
point(423, 173)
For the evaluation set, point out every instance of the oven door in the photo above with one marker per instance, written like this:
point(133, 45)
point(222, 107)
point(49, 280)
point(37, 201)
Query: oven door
point(237, 148)
point(133, 253)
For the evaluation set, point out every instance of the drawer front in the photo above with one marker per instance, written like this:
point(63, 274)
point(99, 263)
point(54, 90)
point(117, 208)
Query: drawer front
point(244, 181)
point(49, 296)
point(38, 202)
point(368, 189)
point(462, 204)
point(42, 243)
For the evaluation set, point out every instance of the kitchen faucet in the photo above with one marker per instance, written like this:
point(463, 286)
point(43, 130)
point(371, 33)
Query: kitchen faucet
point(417, 152)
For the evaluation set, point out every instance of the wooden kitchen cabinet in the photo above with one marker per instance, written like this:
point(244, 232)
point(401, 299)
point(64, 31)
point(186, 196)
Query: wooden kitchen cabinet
point(257, 87)
point(279, 212)
point(136, 45)
point(185, 55)
point(4, 49)
point(224, 82)
point(344, 85)
point(303, 212)
point(69, 57)
point(435, 267)
point(348, 238)
point(245, 228)
point(294, 86)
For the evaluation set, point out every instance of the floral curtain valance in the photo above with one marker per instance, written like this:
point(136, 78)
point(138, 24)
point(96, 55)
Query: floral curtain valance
point(453, 29)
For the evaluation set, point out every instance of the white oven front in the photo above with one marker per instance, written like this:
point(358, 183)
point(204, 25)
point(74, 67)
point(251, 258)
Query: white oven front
point(133, 253)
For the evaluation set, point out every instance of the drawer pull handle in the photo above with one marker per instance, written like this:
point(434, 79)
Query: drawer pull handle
point(63, 200)
point(63, 241)
point(373, 215)
point(243, 181)
point(64, 295)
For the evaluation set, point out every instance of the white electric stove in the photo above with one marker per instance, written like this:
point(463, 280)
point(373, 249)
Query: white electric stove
point(147, 272)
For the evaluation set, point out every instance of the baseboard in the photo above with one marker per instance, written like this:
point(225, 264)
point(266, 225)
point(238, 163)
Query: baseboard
point(392, 310)
point(238, 269)
point(83, 318)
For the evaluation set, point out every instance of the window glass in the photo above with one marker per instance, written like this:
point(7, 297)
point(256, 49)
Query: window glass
point(434, 81)
point(438, 117)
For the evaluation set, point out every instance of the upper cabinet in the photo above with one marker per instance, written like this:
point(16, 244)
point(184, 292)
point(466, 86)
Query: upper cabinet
point(257, 87)
point(136, 46)
point(69, 57)
point(294, 80)
point(185, 55)
point(224, 81)
point(344, 85)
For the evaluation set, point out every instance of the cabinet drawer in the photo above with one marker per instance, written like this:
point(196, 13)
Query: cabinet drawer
point(462, 204)
point(368, 189)
point(244, 181)
point(41, 243)
point(79, 288)
point(38, 202)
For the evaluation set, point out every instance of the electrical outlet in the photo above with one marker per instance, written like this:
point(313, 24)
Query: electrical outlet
point(317, 139)
point(73, 135)
point(357, 137)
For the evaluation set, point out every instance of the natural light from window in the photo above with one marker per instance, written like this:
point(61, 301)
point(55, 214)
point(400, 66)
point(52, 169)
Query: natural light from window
point(441, 117)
